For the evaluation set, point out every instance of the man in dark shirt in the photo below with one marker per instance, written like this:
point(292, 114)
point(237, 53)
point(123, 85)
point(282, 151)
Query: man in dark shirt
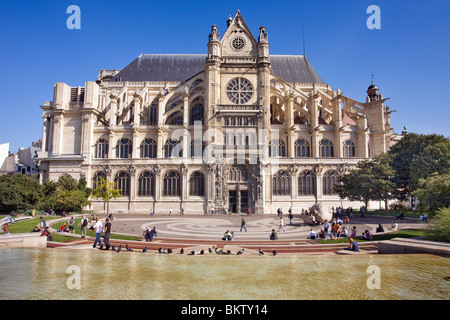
point(147, 235)
point(107, 233)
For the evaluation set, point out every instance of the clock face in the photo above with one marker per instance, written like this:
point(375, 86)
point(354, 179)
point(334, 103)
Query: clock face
point(238, 43)
point(239, 90)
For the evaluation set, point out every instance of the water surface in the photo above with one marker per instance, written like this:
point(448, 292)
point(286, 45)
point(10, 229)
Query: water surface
point(48, 274)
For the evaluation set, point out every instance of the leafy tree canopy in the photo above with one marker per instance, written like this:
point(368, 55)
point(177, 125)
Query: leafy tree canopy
point(19, 192)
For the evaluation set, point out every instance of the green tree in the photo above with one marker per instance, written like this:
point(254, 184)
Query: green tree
point(371, 180)
point(66, 194)
point(418, 156)
point(357, 185)
point(19, 192)
point(382, 179)
point(70, 200)
point(434, 192)
point(439, 226)
point(106, 191)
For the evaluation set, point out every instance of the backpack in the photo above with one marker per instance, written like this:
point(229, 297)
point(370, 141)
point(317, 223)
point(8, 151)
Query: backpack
point(85, 223)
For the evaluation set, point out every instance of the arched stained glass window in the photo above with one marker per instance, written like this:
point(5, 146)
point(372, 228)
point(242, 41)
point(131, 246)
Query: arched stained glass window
point(349, 149)
point(124, 149)
point(172, 184)
point(326, 148)
point(197, 184)
point(302, 149)
point(122, 181)
point(281, 183)
point(329, 181)
point(101, 149)
point(148, 148)
point(306, 183)
point(146, 184)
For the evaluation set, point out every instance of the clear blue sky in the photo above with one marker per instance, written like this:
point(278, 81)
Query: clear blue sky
point(409, 55)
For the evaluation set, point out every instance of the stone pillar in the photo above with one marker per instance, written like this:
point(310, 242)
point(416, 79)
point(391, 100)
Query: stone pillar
point(136, 145)
point(314, 124)
point(184, 183)
point(113, 110)
point(362, 140)
point(290, 126)
point(319, 185)
point(111, 144)
point(160, 109)
point(209, 187)
point(338, 127)
point(132, 198)
point(137, 110)
point(58, 128)
point(46, 132)
point(160, 146)
point(86, 136)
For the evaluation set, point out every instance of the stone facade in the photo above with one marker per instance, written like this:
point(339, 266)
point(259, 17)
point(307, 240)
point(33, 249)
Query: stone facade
point(234, 129)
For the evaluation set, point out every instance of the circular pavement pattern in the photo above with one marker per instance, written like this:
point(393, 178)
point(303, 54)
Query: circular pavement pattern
point(258, 226)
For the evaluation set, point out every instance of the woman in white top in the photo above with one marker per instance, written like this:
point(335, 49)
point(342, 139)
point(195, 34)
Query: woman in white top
point(281, 225)
point(98, 227)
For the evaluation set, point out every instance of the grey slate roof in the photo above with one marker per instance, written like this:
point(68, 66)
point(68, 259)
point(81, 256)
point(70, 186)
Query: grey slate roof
point(294, 69)
point(181, 67)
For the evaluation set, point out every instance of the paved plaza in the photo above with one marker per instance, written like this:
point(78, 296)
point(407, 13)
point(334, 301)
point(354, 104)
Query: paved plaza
point(212, 227)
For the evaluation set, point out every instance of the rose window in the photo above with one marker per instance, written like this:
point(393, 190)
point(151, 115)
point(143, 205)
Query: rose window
point(239, 90)
point(238, 43)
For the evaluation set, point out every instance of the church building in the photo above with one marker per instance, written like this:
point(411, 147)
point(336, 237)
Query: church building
point(235, 129)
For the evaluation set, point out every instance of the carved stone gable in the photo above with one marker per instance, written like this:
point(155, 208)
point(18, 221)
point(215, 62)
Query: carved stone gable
point(238, 40)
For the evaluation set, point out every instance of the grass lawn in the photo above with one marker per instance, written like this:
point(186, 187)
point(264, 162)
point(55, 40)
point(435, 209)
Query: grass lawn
point(410, 233)
point(28, 225)
point(89, 233)
point(393, 213)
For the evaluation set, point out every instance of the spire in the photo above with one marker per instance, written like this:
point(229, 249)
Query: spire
point(229, 20)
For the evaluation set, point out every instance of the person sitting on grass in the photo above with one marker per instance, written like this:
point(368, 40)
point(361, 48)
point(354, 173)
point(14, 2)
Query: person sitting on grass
point(394, 225)
point(6, 228)
point(380, 228)
point(63, 228)
point(366, 235)
point(344, 232)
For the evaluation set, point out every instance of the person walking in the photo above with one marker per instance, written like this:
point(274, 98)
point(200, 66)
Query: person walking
point(98, 227)
point(243, 225)
point(71, 225)
point(43, 224)
point(152, 212)
point(281, 225)
point(107, 234)
point(83, 225)
point(170, 211)
point(291, 217)
point(326, 230)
